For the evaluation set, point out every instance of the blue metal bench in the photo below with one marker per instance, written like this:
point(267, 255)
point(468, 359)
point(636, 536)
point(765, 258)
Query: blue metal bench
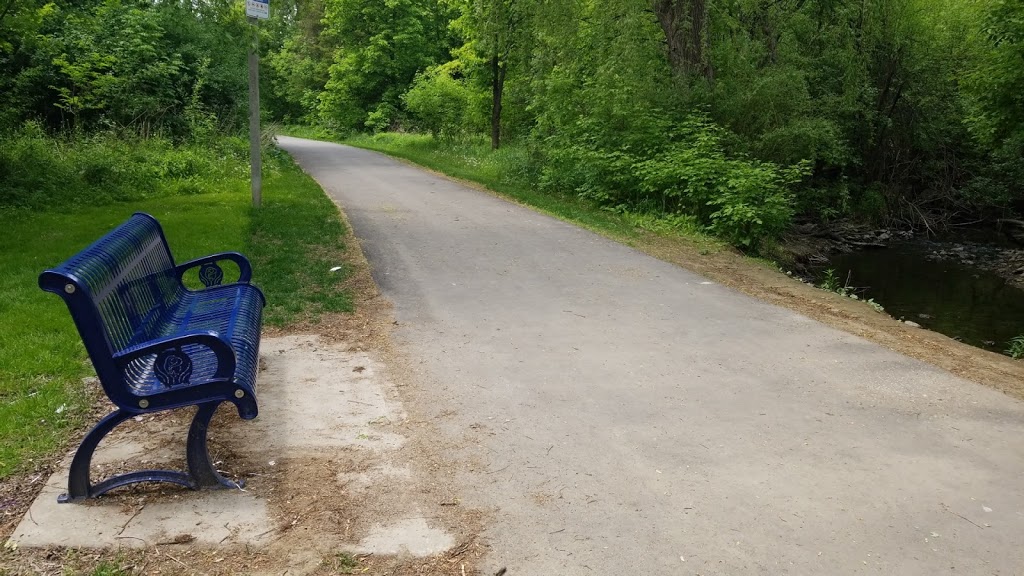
point(157, 345)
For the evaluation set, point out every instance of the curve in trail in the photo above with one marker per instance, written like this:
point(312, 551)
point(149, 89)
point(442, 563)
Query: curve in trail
point(625, 416)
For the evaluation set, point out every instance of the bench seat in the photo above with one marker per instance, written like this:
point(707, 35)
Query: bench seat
point(214, 310)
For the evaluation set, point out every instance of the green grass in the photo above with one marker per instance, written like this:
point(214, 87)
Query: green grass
point(344, 563)
point(293, 240)
point(39, 172)
point(107, 568)
point(1016, 348)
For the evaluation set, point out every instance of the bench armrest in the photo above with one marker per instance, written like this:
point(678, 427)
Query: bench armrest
point(217, 276)
point(225, 354)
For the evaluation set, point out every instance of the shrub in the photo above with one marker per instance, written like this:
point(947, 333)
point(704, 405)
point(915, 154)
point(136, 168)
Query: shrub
point(41, 172)
point(741, 200)
point(438, 103)
point(1016, 349)
point(687, 172)
point(384, 117)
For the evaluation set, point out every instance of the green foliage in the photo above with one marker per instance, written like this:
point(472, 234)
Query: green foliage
point(38, 172)
point(882, 110)
point(1016, 348)
point(380, 48)
point(438, 103)
point(107, 568)
point(115, 60)
point(741, 200)
point(130, 65)
point(296, 60)
point(872, 205)
point(344, 563)
point(829, 281)
point(382, 118)
point(664, 224)
point(997, 84)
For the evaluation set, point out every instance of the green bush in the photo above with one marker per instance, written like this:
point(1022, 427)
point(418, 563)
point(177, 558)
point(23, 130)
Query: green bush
point(741, 200)
point(40, 172)
point(438, 103)
point(382, 118)
point(753, 203)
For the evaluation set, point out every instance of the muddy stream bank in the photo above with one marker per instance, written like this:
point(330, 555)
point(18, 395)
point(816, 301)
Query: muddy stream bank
point(968, 285)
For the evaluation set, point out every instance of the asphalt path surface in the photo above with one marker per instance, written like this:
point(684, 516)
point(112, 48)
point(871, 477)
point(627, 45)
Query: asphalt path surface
point(622, 415)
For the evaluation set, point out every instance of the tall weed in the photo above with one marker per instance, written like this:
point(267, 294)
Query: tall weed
point(41, 172)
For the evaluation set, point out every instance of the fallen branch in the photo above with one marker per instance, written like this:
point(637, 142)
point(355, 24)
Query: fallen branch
point(865, 244)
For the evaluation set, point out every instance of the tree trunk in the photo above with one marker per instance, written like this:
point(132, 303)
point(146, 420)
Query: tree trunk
point(497, 88)
point(7, 8)
point(685, 24)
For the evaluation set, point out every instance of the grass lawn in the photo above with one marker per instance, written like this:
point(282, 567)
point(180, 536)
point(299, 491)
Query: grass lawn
point(293, 241)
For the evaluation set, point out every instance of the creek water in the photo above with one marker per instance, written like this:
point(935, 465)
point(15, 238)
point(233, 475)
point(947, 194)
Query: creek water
point(947, 296)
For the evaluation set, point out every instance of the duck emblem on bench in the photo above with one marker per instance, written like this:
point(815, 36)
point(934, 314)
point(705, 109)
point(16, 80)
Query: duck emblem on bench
point(210, 274)
point(173, 367)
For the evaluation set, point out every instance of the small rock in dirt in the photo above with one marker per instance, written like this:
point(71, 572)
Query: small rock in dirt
point(911, 324)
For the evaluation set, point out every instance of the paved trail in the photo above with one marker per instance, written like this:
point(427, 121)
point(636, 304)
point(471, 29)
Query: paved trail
point(629, 417)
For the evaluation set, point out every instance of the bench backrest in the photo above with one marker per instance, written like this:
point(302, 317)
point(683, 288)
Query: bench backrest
point(117, 289)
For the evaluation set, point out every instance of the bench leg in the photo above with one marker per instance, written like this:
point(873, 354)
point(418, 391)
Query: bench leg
point(79, 485)
point(200, 467)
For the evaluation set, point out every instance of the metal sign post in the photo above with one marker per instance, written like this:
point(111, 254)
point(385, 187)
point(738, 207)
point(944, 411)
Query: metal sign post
point(256, 10)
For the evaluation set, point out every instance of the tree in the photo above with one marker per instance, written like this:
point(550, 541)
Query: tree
point(685, 25)
point(497, 33)
point(380, 48)
point(297, 61)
